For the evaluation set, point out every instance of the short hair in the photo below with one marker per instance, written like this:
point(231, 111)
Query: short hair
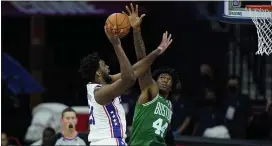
point(68, 109)
point(89, 66)
point(173, 73)
point(50, 130)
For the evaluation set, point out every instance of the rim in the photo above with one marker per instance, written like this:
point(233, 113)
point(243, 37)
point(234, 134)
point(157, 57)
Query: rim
point(263, 7)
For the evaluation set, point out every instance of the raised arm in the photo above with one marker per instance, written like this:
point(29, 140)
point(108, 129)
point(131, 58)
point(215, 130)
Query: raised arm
point(144, 64)
point(106, 93)
point(145, 80)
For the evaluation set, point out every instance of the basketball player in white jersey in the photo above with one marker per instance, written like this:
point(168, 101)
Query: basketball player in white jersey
point(107, 116)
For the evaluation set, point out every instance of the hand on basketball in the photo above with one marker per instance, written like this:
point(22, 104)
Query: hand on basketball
point(134, 19)
point(112, 34)
point(165, 43)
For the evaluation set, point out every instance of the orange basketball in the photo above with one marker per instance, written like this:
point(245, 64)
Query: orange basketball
point(121, 21)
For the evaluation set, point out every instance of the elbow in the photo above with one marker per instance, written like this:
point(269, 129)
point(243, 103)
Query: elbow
point(130, 80)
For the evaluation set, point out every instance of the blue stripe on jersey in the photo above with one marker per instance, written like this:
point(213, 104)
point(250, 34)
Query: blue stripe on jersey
point(121, 142)
point(116, 125)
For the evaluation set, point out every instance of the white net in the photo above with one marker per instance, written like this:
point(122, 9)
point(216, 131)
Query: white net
point(262, 19)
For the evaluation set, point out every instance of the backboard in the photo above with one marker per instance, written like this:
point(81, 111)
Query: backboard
point(234, 11)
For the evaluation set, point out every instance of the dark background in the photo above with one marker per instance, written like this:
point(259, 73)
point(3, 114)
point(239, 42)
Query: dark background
point(70, 38)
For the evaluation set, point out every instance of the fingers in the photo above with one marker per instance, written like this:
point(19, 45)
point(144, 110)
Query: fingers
point(128, 10)
point(137, 11)
point(170, 41)
point(164, 36)
point(109, 30)
point(169, 37)
point(105, 29)
point(142, 16)
point(124, 13)
point(114, 30)
point(132, 8)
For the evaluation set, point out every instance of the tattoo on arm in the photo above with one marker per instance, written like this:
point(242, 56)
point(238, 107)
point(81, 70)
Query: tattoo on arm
point(139, 44)
point(140, 50)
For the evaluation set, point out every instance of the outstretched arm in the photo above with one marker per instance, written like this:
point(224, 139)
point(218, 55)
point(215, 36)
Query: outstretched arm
point(144, 64)
point(106, 93)
point(145, 80)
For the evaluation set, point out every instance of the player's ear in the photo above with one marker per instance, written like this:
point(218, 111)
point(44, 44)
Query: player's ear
point(76, 121)
point(61, 121)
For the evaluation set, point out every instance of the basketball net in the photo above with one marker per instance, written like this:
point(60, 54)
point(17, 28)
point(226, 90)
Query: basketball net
point(262, 18)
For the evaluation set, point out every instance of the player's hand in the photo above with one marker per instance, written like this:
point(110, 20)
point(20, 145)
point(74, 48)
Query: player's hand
point(133, 15)
point(165, 43)
point(112, 34)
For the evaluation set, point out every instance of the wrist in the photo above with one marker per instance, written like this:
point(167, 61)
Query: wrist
point(137, 29)
point(116, 45)
point(158, 51)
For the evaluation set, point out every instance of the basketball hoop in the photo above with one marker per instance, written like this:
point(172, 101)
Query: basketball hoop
point(261, 16)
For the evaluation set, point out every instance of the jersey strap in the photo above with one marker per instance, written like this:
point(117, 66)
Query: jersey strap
point(116, 127)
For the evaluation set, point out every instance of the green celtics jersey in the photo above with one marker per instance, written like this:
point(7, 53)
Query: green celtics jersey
point(150, 122)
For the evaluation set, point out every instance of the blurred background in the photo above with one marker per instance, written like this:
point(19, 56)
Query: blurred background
point(42, 44)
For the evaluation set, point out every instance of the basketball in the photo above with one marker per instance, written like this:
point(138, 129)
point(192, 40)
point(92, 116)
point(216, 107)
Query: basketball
point(121, 21)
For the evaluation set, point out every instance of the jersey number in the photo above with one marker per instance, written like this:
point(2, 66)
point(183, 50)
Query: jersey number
point(92, 121)
point(159, 128)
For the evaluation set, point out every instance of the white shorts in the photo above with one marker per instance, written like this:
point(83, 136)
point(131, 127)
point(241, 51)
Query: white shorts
point(110, 141)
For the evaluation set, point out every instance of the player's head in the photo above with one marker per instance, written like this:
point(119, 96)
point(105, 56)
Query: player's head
point(48, 132)
point(69, 118)
point(92, 67)
point(166, 79)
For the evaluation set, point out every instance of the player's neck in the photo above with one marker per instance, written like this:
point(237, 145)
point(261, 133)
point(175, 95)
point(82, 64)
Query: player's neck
point(165, 95)
point(101, 81)
point(70, 133)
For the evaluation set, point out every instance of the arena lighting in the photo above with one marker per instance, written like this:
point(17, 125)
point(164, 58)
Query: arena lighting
point(52, 8)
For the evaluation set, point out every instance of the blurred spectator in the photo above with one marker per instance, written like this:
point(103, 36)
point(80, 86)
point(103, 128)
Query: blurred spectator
point(44, 115)
point(207, 116)
point(206, 74)
point(260, 127)
point(4, 140)
point(237, 109)
point(217, 132)
point(182, 112)
point(69, 135)
point(47, 133)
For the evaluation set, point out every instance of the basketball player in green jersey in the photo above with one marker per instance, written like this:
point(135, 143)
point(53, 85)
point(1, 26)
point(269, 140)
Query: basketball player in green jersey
point(153, 111)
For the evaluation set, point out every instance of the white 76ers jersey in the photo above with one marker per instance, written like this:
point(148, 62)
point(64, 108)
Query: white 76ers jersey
point(106, 121)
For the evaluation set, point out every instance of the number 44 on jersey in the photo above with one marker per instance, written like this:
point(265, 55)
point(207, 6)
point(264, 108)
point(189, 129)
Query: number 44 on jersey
point(160, 128)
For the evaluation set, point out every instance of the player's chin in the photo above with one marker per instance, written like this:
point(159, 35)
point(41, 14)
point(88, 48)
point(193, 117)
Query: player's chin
point(164, 89)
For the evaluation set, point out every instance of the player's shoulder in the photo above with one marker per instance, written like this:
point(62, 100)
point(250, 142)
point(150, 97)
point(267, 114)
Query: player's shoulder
point(91, 85)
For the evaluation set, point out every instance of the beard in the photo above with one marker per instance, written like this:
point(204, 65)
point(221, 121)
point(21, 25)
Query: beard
point(107, 78)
